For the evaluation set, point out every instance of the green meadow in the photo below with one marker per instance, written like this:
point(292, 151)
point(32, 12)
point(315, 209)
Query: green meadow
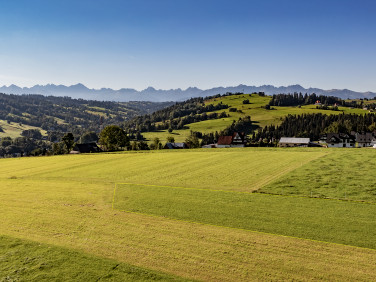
point(32, 261)
point(342, 174)
point(221, 224)
point(323, 220)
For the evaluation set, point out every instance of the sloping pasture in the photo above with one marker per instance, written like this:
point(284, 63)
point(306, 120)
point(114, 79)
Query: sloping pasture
point(334, 221)
point(65, 202)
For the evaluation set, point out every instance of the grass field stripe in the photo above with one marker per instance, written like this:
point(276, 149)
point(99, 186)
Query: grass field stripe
point(113, 197)
point(271, 178)
point(247, 193)
point(247, 230)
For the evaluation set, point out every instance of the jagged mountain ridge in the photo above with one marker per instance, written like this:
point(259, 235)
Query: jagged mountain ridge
point(158, 95)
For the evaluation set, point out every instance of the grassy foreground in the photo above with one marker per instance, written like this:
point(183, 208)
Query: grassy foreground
point(324, 220)
point(66, 202)
point(23, 260)
point(342, 174)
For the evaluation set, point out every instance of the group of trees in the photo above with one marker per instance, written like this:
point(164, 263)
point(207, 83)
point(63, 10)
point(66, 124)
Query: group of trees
point(313, 126)
point(22, 146)
point(298, 99)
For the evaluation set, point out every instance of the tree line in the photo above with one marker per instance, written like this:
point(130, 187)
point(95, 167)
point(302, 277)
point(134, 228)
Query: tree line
point(313, 126)
point(298, 99)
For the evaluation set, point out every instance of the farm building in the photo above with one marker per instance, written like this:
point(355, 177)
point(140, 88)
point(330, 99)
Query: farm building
point(175, 146)
point(338, 140)
point(237, 139)
point(86, 148)
point(294, 142)
point(364, 139)
point(210, 146)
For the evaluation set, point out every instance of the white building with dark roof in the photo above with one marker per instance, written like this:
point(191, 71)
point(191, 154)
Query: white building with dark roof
point(294, 142)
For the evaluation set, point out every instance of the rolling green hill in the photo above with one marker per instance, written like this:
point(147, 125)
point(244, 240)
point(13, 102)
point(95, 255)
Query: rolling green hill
point(259, 115)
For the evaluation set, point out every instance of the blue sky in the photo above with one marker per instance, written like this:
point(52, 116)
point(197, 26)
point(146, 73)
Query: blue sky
point(181, 43)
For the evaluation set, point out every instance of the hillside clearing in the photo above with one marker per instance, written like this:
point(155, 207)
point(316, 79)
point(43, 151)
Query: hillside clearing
point(14, 130)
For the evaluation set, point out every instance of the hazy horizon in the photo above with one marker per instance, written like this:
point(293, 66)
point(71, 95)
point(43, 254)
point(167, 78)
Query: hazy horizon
point(181, 88)
point(170, 44)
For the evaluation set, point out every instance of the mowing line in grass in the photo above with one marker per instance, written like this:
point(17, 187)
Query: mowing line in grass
point(34, 261)
point(341, 222)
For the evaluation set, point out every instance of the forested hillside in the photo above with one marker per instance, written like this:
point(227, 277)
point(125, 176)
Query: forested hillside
point(34, 124)
point(64, 114)
point(178, 115)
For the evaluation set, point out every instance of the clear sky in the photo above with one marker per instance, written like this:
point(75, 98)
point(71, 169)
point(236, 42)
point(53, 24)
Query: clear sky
point(180, 43)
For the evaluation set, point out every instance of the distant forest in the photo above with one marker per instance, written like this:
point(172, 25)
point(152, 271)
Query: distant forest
point(298, 99)
point(64, 114)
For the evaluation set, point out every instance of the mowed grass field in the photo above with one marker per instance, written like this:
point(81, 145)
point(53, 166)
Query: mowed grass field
point(55, 208)
point(260, 116)
point(342, 174)
point(330, 221)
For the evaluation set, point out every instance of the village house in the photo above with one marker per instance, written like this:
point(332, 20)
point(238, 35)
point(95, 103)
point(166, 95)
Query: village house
point(86, 148)
point(317, 103)
point(237, 139)
point(170, 145)
point(338, 140)
point(294, 142)
point(364, 139)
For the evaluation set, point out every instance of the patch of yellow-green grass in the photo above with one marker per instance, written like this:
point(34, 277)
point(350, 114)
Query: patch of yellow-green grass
point(341, 174)
point(97, 108)
point(99, 113)
point(58, 120)
point(77, 214)
point(24, 260)
point(179, 135)
point(349, 223)
point(14, 130)
point(238, 169)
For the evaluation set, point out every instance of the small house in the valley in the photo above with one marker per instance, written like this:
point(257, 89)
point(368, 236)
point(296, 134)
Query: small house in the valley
point(338, 140)
point(294, 142)
point(170, 145)
point(209, 146)
point(86, 148)
point(364, 139)
point(237, 139)
point(318, 103)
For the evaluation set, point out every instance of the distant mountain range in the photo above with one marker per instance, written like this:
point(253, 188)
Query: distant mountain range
point(158, 95)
